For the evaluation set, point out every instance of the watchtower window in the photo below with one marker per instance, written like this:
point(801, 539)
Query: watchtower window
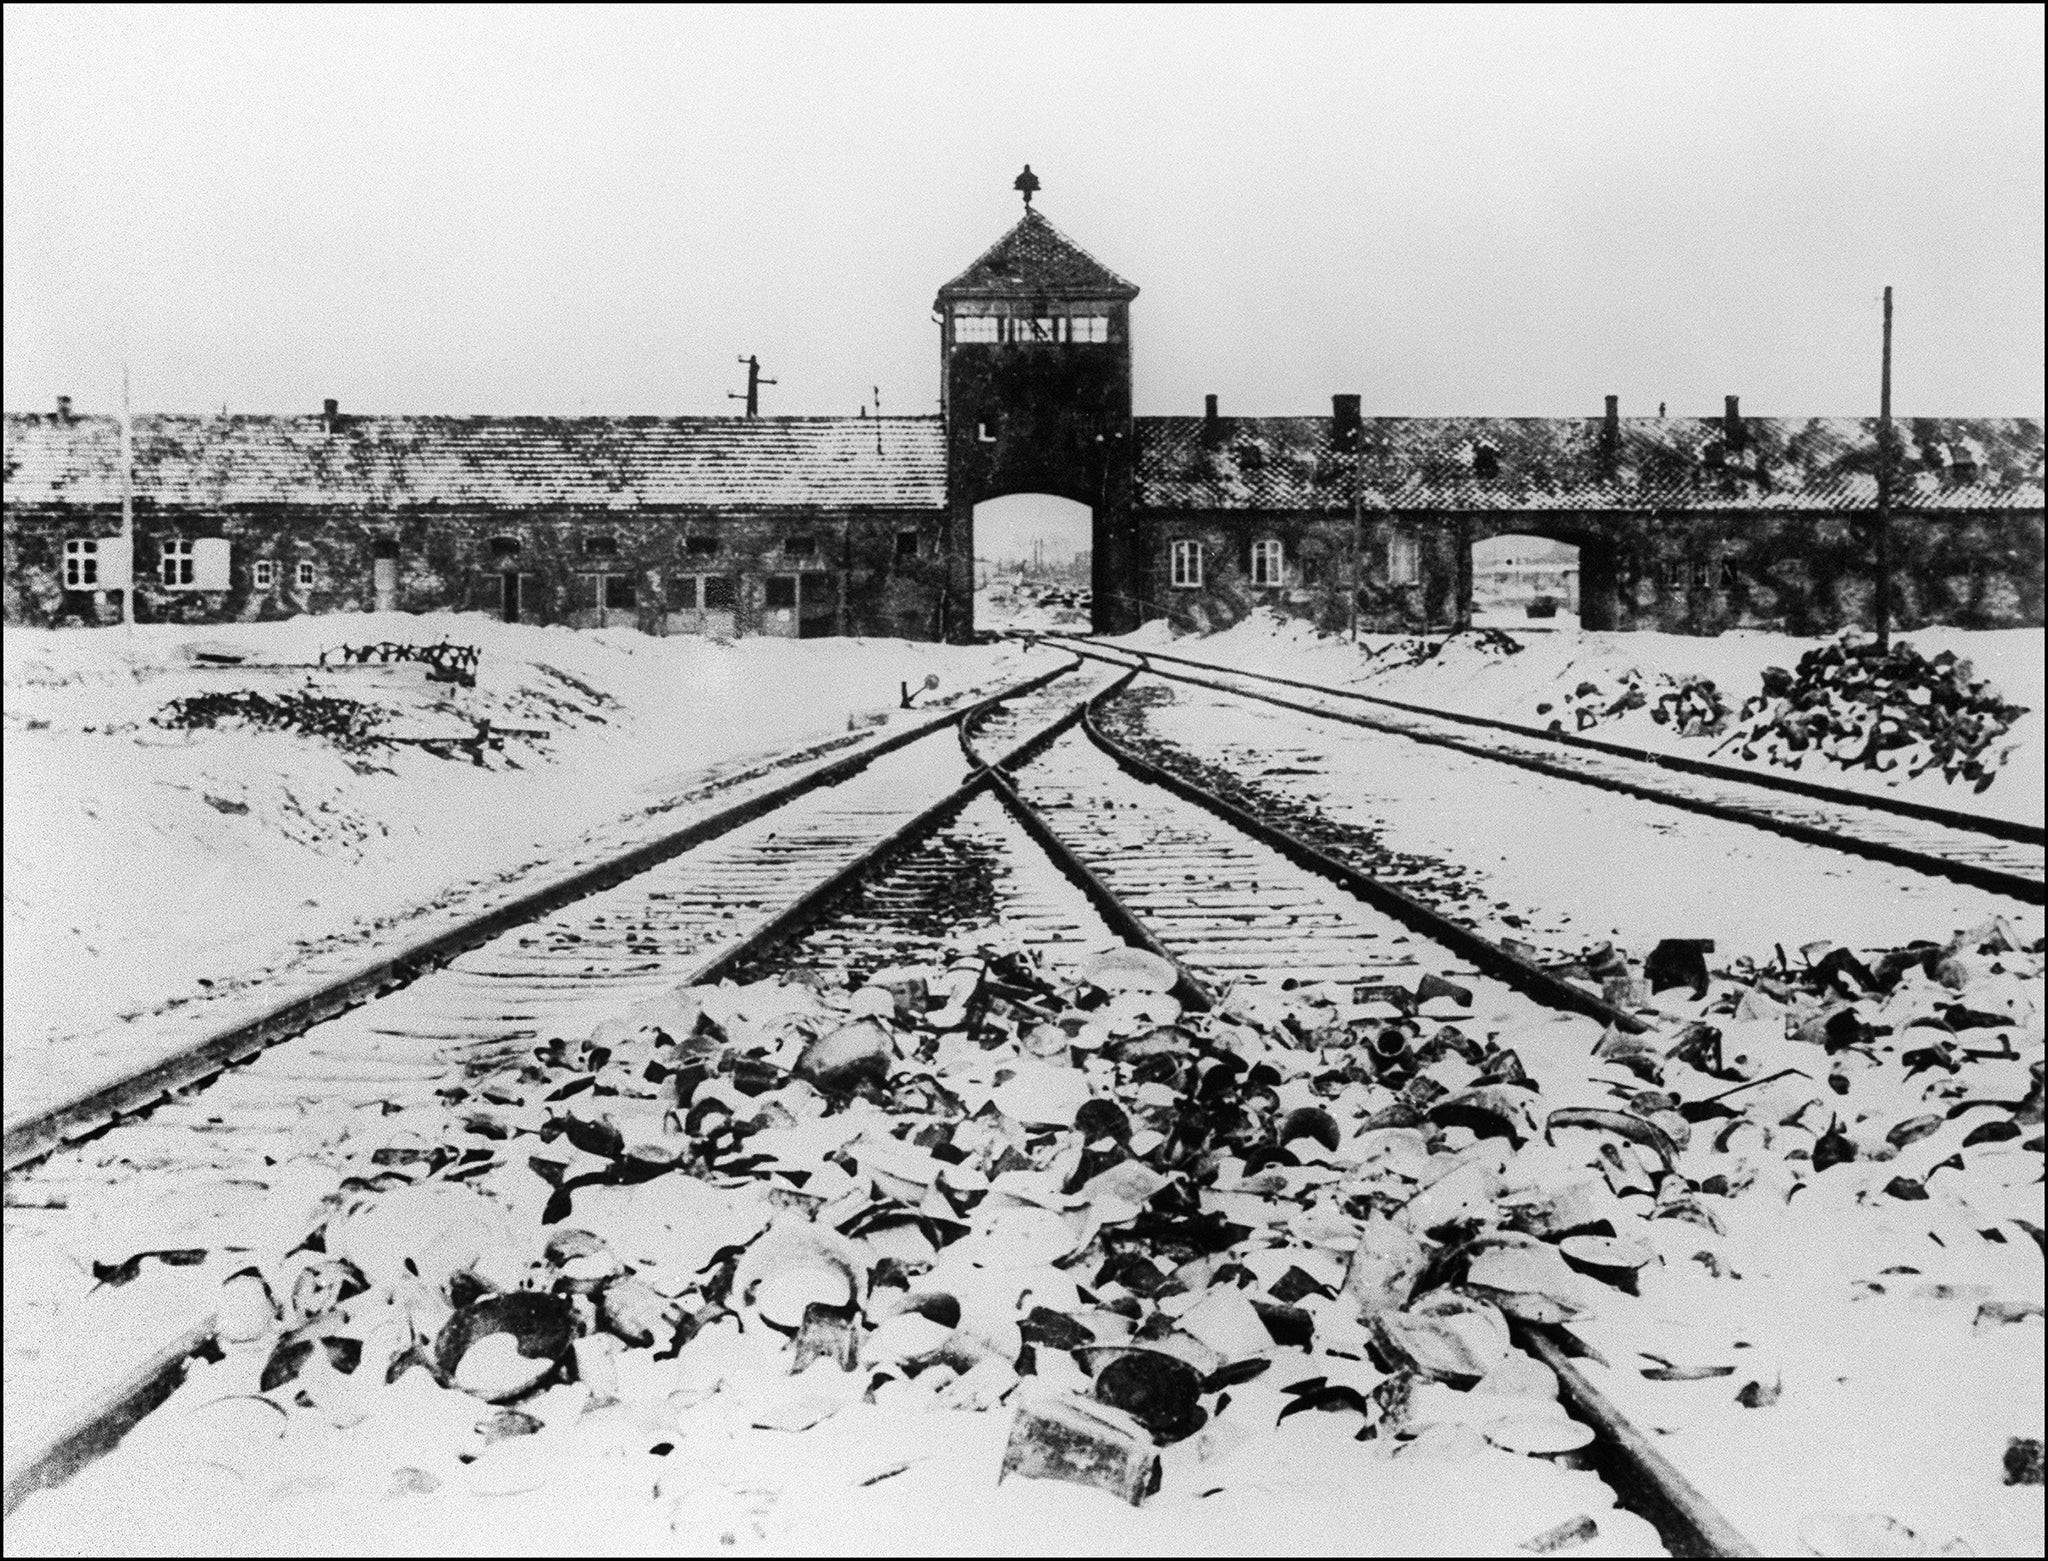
point(701, 545)
point(1187, 563)
point(504, 547)
point(600, 544)
point(1088, 327)
point(1034, 328)
point(974, 327)
point(81, 564)
point(1266, 562)
point(800, 544)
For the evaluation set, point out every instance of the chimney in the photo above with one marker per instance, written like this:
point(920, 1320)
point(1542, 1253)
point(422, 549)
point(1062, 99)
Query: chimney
point(1212, 425)
point(1610, 435)
point(1344, 421)
point(1731, 423)
point(63, 409)
point(330, 413)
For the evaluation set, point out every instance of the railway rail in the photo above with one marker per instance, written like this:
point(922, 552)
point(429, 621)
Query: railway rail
point(866, 866)
point(1986, 853)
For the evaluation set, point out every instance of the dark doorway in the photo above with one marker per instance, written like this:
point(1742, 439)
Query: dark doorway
point(510, 597)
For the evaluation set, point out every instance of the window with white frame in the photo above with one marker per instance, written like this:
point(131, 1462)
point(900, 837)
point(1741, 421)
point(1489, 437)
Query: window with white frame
point(1187, 563)
point(1088, 327)
point(305, 576)
point(1404, 560)
point(974, 327)
point(1266, 562)
point(81, 564)
point(194, 563)
point(265, 574)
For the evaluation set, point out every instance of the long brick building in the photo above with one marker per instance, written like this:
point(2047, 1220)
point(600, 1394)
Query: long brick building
point(811, 526)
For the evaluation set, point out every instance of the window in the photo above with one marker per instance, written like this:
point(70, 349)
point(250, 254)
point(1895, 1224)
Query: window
point(781, 591)
point(984, 433)
point(802, 545)
point(906, 544)
point(600, 544)
point(682, 593)
point(305, 576)
point(504, 547)
point(1266, 562)
point(1187, 563)
point(265, 574)
point(618, 591)
point(195, 563)
point(81, 565)
point(719, 593)
point(1088, 327)
point(608, 591)
point(1039, 328)
point(974, 327)
point(1404, 560)
point(701, 545)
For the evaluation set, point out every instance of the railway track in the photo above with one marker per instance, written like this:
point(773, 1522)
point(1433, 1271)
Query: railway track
point(1055, 837)
point(1984, 853)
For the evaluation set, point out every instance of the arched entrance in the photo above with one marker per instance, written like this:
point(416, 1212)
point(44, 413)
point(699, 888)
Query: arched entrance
point(1575, 564)
point(1524, 580)
point(1033, 555)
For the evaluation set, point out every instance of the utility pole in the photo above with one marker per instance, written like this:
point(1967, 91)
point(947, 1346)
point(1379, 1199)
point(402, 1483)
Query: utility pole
point(1357, 539)
point(127, 506)
point(754, 384)
point(1884, 488)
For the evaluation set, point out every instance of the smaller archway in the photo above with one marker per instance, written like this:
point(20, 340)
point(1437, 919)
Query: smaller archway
point(1033, 553)
point(1520, 580)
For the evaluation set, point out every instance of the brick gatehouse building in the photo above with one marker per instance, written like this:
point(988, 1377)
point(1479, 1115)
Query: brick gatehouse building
point(836, 525)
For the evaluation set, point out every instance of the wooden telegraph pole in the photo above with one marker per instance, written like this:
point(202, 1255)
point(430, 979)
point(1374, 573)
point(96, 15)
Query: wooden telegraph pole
point(1884, 487)
point(127, 505)
point(1357, 537)
point(754, 384)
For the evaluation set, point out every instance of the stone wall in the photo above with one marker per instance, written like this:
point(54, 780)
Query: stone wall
point(862, 573)
point(1687, 572)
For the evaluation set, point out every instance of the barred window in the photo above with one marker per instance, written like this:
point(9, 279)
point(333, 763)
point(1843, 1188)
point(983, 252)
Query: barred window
point(81, 564)
point(1266, 562)
point(264, 574)
point(1187, 563)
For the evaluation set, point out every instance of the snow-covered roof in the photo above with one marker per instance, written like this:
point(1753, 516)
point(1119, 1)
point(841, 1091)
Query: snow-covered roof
point(1033, 260)
point(394, 462)
point(1560, 463)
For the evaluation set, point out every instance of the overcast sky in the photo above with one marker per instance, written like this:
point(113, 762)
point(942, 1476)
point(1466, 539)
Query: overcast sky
point(1506, 212)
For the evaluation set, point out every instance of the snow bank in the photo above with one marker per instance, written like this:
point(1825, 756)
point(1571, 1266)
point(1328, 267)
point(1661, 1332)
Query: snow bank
point(147, 866)
point(1473, 677)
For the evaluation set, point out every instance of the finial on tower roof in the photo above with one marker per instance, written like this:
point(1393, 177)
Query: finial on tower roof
point(1027, 181)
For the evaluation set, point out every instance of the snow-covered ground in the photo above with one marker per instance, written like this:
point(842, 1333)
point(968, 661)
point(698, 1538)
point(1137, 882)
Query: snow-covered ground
point(147, 866)
point(1474, 678)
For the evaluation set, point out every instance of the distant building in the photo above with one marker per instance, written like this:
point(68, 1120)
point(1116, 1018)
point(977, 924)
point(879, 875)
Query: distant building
point(805, 526)
point(1515, 571)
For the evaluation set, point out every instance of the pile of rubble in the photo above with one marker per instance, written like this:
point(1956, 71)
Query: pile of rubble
point(994, 1226)
point(349, 724)
point(1691, 706)
point(1858, 707)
